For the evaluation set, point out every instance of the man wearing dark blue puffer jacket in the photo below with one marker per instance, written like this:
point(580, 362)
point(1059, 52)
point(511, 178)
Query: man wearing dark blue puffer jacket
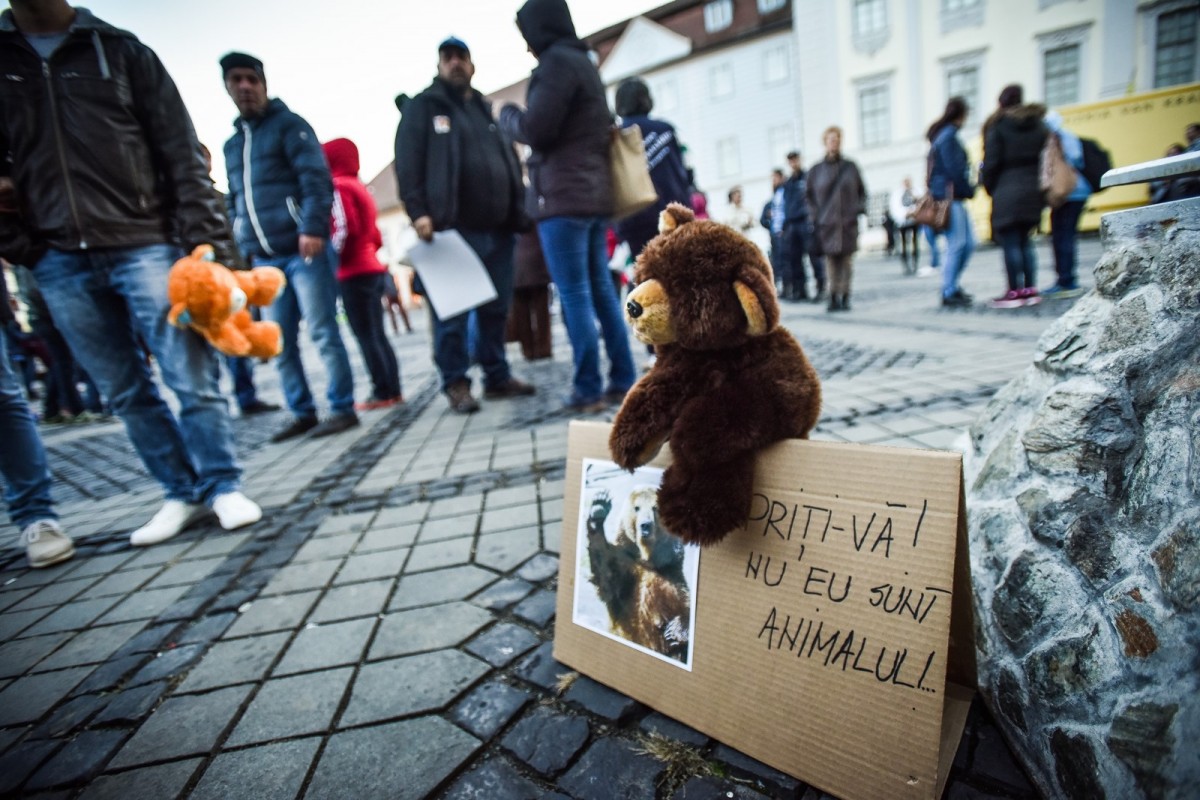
point(280, 193)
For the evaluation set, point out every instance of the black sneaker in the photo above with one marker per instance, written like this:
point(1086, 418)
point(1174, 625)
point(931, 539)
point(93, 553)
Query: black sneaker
point(956, 300)
point(258, 407)
point(298, 427)
point(335, 424)
point(510, 388)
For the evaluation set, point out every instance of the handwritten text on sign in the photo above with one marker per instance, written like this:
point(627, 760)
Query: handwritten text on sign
point(878, 535)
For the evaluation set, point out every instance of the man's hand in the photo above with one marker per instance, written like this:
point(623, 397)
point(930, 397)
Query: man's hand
point(311, 246)
point(424, 228)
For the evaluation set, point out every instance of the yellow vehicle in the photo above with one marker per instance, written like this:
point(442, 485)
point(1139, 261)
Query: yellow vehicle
point(1133, 128)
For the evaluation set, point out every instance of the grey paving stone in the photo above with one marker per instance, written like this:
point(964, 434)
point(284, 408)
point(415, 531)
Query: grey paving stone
point(111, 673)
point(79, 760)
point(743, 764)
point(430, 681)
point(18, 656)
point(504, 551)
point(132, 705)
point(299, 577)
point(345, 523)
point(144, 604)
point(489, 707)
point(448, 553)
point(91, 646)
point(503, 519)
point(167, 664)
point(539, 568)
point(439, 530)
point(73, 617)
point(502, 643)
point(54, 594)
point(671, 729)
point(150, 638)
point(159, 554)
point(540, 668)
point(400, 515)
point(463, 505)
point(326, 548)
point(600, 700)
point(538, 608)
point(162, 781)
point(270, 772)
point(217, 543)
point(547, 740)
point(439, 586)
point(17, 764)
point(186, 572)
point(502, 594)
point(182, 726)
point(511, 496)
point(235, 661)
point(611, 768)
point(371, 566)
point(387, 538)
point(352, 600)
point(429, 628)
point(29, 697)
point(701, 788)
point(325, 646)
point(10, 598)
point(425, 751)
point(99, 565)
point(272, 614)
point(495, 779)
point(69, 716)
point(10, 736)
point(207, 628)
point(286, 707)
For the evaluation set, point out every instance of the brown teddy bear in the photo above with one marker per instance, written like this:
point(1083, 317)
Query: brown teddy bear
point(727, 382)
point(213, 300)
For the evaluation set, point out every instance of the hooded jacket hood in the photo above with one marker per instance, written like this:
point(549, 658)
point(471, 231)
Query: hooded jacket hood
point(342, 155)
point(546, 22)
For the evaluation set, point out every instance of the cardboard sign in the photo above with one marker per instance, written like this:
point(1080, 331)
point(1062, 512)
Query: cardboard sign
point(830, 637)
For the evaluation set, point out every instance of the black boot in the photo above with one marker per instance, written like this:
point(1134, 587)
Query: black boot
point(834, 304)
point(845, 306)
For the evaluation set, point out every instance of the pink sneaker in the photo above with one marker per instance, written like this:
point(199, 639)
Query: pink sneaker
point(1010, 299)
point(1029, 296)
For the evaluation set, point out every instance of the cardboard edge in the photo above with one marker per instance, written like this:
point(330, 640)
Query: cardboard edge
point(962, 667)
point(955, 709)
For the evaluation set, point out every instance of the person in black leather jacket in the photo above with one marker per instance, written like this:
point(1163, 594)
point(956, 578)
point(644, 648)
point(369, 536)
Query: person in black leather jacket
point(106, 185)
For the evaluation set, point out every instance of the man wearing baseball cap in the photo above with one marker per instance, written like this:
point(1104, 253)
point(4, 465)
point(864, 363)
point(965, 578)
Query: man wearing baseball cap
point(457, 171)
point(281, 193)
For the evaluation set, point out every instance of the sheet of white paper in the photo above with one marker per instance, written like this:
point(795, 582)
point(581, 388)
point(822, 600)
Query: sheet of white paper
point(454, 278)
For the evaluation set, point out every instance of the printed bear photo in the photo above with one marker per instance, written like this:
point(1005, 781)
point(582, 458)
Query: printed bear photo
point(634, 581)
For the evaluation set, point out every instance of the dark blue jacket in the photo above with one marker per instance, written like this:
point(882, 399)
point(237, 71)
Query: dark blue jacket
point(949, 166)
point(279, 183)
point(795, 206)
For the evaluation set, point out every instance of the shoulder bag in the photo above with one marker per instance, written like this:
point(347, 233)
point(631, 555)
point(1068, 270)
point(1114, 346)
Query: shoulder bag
point(931, 212)
point(1056, 177)
point(632, 188)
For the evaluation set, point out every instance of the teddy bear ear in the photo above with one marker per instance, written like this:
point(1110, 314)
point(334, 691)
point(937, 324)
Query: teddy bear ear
point(674, 215)
point(757, 298)
point(203, 252)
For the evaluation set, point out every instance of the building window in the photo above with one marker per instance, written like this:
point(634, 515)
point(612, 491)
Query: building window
point(874, 114)
point(1175, 48)
point(666, 97)
point(720, 81)
point(779, 144)
point(964, 82)
point(729, 163)
point(869, 25)
point(767, 6)
point(1062, 76)
point(961, 14)
point(718, 15)
point(775, 64)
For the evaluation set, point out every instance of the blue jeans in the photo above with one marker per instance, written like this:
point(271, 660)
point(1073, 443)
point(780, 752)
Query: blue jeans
point(935, 258)
point(1064, 221)
point(362, 297)
point(455, 344)
point(960, 243)
point(1020, 262)
point(103, 301)
point(242, 371)
point(311, 293)
point(574, 249)
point(22, 457)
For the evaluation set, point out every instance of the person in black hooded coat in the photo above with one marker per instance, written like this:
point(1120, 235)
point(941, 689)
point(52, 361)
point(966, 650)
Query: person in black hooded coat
point(568, 125)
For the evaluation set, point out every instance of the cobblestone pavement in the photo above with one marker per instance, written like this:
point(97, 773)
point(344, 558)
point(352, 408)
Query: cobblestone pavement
point(386, 630)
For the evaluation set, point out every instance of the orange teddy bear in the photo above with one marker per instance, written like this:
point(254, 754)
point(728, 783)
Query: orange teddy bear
point(212, 300)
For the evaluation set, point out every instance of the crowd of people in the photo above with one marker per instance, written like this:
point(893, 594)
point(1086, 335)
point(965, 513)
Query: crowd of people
point(92, 228)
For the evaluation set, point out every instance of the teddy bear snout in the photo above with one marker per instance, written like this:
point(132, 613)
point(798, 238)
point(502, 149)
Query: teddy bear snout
point(633, 309)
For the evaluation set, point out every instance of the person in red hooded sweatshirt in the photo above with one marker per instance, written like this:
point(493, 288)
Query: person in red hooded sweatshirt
point(361, 276)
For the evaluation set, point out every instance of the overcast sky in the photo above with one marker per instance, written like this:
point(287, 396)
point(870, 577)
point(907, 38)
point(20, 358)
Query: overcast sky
point(337, 64)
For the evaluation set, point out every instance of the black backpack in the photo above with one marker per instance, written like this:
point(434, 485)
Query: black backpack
point(1096, 162)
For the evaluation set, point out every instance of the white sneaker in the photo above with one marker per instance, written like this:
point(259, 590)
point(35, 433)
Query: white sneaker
point(46, 544)
point(235, 510)
point(170, 521)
